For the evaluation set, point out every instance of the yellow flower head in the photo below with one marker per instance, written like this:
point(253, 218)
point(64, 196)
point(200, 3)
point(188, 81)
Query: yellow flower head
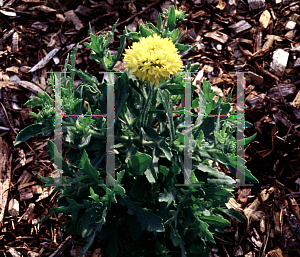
point(152, 58)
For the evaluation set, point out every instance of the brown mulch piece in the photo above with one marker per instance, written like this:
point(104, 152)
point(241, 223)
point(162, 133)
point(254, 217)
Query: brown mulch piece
point(258, 37)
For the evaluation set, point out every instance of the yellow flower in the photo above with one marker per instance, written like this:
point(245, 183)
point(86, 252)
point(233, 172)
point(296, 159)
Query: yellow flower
point(153, 58)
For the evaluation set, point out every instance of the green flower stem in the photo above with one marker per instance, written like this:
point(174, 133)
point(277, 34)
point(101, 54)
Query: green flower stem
point(145, 113)
point(148, 106)
point(144, 92)
point(103, 62)
point(121, 138)
point(162, 84)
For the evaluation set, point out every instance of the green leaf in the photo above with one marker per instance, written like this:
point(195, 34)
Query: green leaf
point(121, 93)
point(134, 36)
point(85, 140)
point(88, 169)
point(120, 50)
point(200, 138)
point(164, 96)
point(35, 101)
point(153, 27)
point(133, 85)
point(184, 48)
point(158, 25)
point(87, 226)
point(180, 37)
point(230, 161)
point(215, 178)
point(85, 76)
point(201, 228)
point(53, 152)
point(233, 213)
point(90, 240)
point(228, 98)
point(31, 131)
point(73, 59)
point(162, 145)
point(145, 32)
point(152, 172)
point(148, 220)
point(249, 177)
point(131, 149)
point(174, 236)
point(111, 34)
point(175, 34)
point(171, 19)
point(139, 163)
point(117, 189)
point(247, 140)
point(217, 223)
point(195, 67)
point(168, 197)
point(73, 208)
point(34, 115)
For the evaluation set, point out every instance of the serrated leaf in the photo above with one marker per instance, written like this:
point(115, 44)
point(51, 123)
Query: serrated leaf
point(201, 228)
point(162, 145)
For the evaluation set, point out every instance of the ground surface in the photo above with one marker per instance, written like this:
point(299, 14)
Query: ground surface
point(30, 29)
